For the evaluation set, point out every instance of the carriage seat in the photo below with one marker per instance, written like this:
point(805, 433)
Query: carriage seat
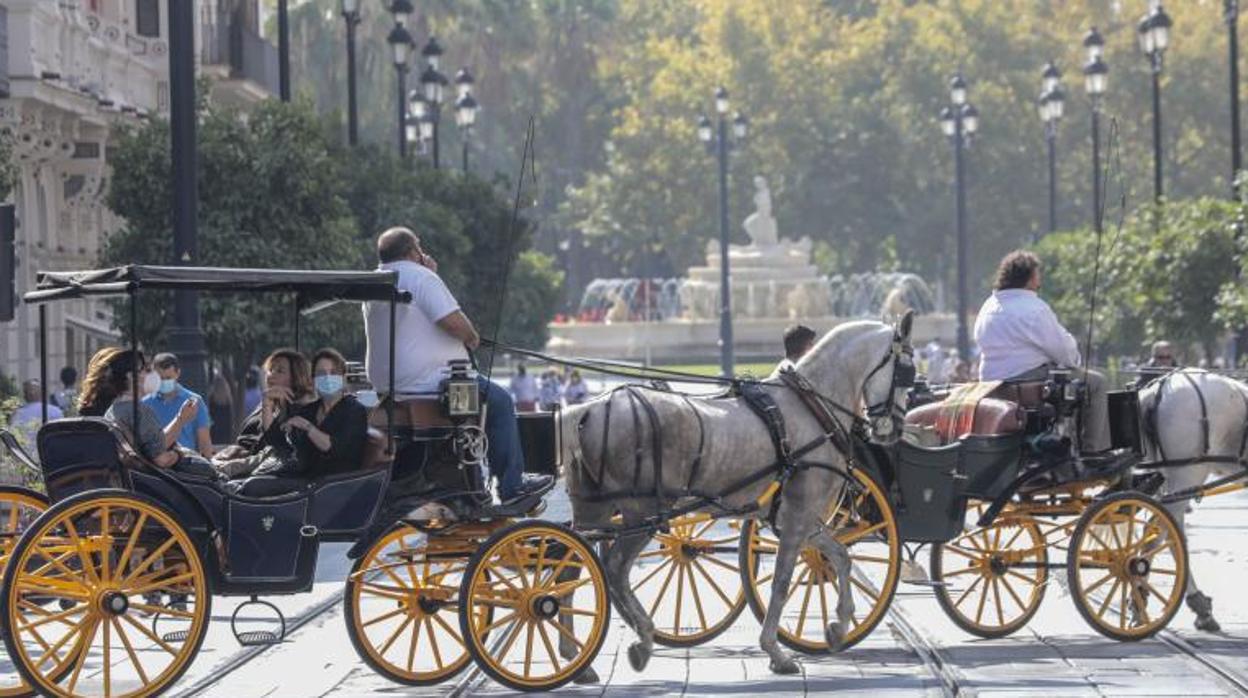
point(1028, 394)
point(950, 422)
point(375, 450)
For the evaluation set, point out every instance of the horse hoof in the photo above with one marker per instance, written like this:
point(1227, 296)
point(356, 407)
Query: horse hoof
point(638, 656)
point(834, 634)
point(1208, 624)
point(587, 676)
point(784, 666)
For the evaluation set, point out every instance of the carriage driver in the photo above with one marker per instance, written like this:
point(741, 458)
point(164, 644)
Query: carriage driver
point(1020, 339)
point(430, 332)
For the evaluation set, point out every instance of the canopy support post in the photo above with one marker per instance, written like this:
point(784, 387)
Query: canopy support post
point(390, 403)
point(297, 328)
point(43, 360)
point(134, 357)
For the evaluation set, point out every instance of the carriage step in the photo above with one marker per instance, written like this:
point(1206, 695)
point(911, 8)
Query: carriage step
point(258, 637)
point(176, 636)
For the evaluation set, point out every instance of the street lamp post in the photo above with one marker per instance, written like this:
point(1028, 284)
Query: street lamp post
point(717, 139)
point(1052, 107)
point(416, 113)
point(1232, 26)
point(960, 121)
point(1153, 32)
point(283, 50)
point(400, 41)
point(185, 336)
point(1095, 80)
point(351, 17)
point(433, 82)
point(466, 109)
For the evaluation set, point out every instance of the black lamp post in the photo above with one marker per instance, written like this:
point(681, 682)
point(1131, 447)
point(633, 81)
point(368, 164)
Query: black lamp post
point(960, 121)
point(401, 44)
point(1052, 106)
point(466, 109)
point(1095, 80)
point(185, 336)
point(1232, 27)
point(717, 140)
point(433, 82)
point(1154, 35)
point(283, 49)
point(351, 17)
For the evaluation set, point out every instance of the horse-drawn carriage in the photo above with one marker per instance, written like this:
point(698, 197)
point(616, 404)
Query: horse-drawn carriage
point(991, 477)
point(110, 577)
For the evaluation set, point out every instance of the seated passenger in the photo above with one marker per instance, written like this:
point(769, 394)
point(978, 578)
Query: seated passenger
point(108, 391)
point(288, 386)
point(1021, 339)
point(430, 332)
point(328, 436)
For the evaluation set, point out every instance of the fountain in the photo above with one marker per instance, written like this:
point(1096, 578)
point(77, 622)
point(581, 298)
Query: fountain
point(774, 284)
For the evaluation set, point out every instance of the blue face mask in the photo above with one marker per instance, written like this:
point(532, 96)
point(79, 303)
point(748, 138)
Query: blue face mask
point(328, 385)
point(168, 385)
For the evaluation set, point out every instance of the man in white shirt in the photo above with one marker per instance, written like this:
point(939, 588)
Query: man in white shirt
point(430, 332)
point(1020, 338)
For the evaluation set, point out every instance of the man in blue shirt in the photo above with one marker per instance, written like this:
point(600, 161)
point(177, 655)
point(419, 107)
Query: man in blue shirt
point(167, 401)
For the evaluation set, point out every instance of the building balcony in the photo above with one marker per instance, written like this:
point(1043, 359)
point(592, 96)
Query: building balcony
point(244, 63)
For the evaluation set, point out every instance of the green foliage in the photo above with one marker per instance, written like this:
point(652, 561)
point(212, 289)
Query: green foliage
point(269, 197)
point(1157, 279)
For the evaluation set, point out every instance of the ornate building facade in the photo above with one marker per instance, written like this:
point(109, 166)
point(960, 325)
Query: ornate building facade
point(77, 72)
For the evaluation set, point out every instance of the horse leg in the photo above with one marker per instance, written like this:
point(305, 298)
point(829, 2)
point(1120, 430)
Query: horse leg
point(619, 561)
point(1199, 603)
point(795, 533)
point(838, 555)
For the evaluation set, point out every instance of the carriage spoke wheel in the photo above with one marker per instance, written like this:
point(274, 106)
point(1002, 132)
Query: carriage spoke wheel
point(84, 582)
point(18, 509)
point(689, 581)
point(402, 610)
point(551, 606)
point(862, 520)
point(1127, 566)
point(994, 577)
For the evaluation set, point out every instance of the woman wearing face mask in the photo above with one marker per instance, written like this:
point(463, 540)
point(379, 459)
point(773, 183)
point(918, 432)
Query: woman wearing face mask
point(329, 435)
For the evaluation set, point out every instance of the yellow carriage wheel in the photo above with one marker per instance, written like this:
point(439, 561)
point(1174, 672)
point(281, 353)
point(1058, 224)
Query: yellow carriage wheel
point(402, 609)
point(18, 509)
point(551, 606)
point(82, 589)
point(992, 579)
point(862, 519)
point(1127, 566)
point(689, 581)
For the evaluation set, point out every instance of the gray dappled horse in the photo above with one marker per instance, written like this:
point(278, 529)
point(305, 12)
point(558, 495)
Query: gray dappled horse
point(852, 366)
point(1201, 420)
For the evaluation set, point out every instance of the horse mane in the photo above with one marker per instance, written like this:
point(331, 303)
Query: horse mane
point(835, 358)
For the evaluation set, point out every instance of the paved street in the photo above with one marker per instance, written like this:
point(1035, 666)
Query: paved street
point(1057, 655)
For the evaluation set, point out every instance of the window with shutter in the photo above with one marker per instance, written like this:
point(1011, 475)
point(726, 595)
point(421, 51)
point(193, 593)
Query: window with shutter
point(147, 17)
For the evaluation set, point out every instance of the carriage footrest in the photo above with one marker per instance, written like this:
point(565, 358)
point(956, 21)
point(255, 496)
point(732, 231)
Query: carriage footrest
point(175, 636)
point(258, 637)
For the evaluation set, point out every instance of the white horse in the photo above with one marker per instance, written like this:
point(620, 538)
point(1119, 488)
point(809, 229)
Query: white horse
point(1201, 420)
point(616, 446)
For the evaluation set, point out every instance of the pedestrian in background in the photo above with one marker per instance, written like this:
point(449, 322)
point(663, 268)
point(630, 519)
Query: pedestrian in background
point(221, 409)
point(67, 397)
point(194, 434)
point(576, 391)
point(27, 419)
point(551, 391)
point(524, 390)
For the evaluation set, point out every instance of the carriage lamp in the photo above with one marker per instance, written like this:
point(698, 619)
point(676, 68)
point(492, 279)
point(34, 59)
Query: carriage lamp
point(461, 396)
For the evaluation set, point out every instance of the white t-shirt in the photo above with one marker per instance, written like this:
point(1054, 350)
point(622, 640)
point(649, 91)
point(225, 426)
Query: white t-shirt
point(1016, 332)
point(421, 349)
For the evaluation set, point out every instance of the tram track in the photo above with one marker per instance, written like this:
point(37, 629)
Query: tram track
point(952, 684)
point(1225, 674)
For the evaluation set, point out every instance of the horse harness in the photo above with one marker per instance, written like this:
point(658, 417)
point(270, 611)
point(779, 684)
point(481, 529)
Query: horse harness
point(1153, 433)
point(789, 460)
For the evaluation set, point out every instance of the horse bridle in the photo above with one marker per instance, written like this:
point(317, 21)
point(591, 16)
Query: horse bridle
point(887, 415)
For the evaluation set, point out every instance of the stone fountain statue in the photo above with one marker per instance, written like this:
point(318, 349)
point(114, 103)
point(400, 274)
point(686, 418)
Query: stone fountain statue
point(771, 277)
